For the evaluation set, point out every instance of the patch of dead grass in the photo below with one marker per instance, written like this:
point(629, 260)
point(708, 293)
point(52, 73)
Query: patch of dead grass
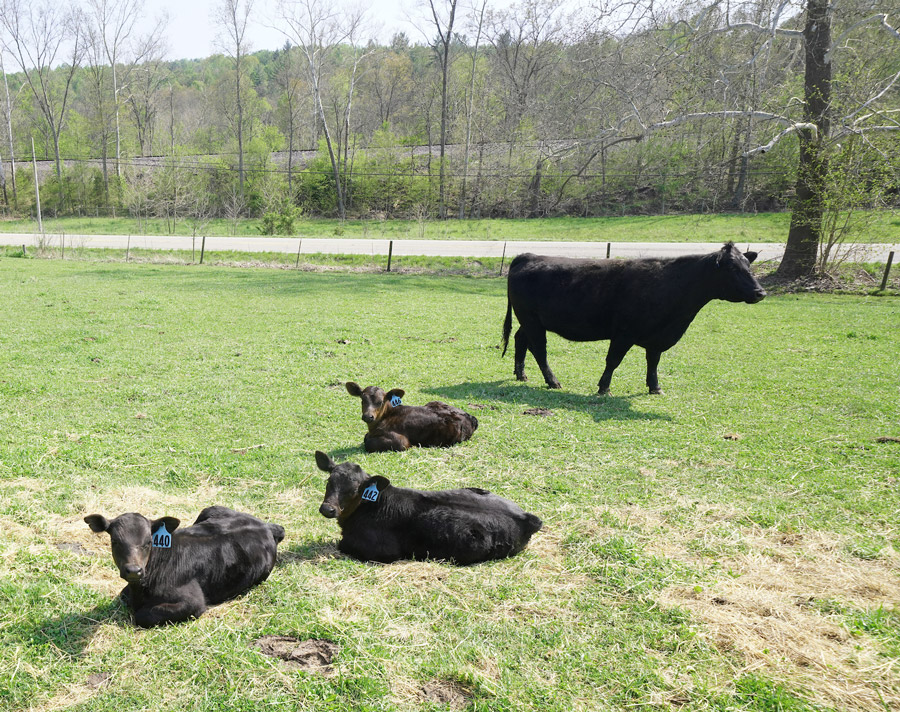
point(758, 607)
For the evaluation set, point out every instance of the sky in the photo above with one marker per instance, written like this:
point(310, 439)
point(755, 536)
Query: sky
point(192, 33)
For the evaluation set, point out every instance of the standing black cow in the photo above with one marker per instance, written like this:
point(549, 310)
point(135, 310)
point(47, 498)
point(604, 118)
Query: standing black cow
point(644, 302)
point(380, 522)
point(175, 575)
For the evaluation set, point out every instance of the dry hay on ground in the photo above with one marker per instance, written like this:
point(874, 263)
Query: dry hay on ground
point(762, 605)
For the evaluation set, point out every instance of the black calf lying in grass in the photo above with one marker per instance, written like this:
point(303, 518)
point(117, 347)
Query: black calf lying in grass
point(175, 575)
point(393, 426)
point(380, 522)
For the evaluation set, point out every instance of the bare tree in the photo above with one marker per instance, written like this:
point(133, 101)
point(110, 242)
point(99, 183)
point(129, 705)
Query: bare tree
point(477, 23)
point(443, 17)
point(318, 30)
point(232, 17)
point(40, 36)
point(7, 117)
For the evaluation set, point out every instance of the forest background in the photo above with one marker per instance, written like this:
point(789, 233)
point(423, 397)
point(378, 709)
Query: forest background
point(539, 108)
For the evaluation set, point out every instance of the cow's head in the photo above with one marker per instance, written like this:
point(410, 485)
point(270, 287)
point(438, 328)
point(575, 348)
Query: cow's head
point(735, 281)
point(375, 402)
point(130, 535)
point(347, 483)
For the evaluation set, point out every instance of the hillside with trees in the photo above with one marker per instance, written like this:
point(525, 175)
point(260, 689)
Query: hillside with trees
point(533, 110)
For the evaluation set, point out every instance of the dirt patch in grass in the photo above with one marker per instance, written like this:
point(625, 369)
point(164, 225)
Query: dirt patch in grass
point(313, 655)
point(445, 692)
point(764, 606)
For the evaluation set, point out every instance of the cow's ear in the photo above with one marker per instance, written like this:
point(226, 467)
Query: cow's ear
point(170, 522)
point(399, 392)
point(97, 522)
point(353, 389)
point(382, 483)
point(325, 463)
point(751, 256)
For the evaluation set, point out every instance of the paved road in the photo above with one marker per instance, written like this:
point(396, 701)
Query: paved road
point(444, 248)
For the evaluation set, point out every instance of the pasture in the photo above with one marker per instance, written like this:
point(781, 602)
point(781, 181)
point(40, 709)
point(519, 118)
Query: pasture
point(730, 545)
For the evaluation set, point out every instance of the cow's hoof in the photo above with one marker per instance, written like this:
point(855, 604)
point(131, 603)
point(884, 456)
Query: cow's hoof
point(553, 384)
point(657, 391)
point(603, 391)
point(521, 377)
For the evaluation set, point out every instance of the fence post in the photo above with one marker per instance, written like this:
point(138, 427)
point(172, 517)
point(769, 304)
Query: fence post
point(299, 247)
point(62, 241)
point(24, 254)
point(887, 270)
point(202, 249)
point(127, 247)
point(608, 244)
point(390, 254)
point(502, 259)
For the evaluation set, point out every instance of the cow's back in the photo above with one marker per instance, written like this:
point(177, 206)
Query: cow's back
point(225, 552)
point(588, 300)
point(435, 424)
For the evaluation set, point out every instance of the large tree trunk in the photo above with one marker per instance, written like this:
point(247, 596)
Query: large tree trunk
point(806, 221)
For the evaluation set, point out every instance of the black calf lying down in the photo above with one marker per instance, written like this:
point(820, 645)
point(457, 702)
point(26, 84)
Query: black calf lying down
point(380, 522)
point(175, 575)
point(393, 426)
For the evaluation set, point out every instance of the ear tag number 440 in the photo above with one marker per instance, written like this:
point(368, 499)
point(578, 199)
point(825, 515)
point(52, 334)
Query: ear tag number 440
point(162, 539)
point(370, 493)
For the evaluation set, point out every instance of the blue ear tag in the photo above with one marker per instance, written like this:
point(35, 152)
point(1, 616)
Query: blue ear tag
point(395, 401)
point(370, 493)
point(162, 539)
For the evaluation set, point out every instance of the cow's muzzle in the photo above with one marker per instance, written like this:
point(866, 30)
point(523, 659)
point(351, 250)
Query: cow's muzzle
point(758, 296)
point(132, 573)
point(328, 510)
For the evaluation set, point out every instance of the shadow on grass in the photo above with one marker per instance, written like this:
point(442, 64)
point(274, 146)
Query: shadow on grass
point(311, 551)
point(600, 407)
point(72, 633)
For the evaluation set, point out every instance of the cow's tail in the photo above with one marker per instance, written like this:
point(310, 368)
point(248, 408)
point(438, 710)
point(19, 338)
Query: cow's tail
point(507, 326)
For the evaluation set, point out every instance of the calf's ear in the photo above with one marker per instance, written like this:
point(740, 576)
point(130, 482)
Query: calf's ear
point(170, 522)
point(382, 483)
point(325, 463)
point(751, 256)
point(97, 522)
point(353, 389)
point(399, 392)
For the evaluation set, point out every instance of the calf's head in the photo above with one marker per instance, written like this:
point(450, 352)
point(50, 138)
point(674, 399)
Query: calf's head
point(736, 282)
point(347, 482)
point(375, 402)
point(130, 535)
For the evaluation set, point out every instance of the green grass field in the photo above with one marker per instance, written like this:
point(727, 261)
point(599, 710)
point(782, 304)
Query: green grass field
point(731, 545)
point(761, 227)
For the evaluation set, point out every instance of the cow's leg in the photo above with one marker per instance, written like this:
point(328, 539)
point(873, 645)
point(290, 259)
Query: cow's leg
point(521, 350)
point(652, 378)
point(387, 442)
point(191, 604)
point(617, 351)
point(537, 343)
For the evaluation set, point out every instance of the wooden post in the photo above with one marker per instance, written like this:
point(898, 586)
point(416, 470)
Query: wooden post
point(608, 244)
point(390, 254)
point(62, 241)
point(127, 247)
point(24, 254)
point(202, 249)
point(887, 270)
point(299, 247)
point(502, 259)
